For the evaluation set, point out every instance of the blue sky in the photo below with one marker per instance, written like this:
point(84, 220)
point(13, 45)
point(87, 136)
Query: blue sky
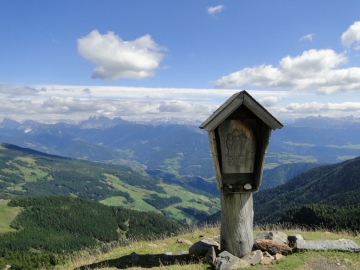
point(149, 59)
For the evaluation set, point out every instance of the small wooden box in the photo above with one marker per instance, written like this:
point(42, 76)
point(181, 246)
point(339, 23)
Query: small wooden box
point(239, 133)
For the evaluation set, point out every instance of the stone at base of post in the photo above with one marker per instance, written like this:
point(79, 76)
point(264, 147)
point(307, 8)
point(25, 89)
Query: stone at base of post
point(236, 234)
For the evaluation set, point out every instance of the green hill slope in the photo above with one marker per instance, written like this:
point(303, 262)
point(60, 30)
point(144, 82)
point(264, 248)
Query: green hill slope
point(329, 217)
point(26, 172)
point(283, 173)
point(336, 185)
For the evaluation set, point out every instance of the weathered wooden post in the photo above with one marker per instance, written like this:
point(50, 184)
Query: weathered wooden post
point(239, 133)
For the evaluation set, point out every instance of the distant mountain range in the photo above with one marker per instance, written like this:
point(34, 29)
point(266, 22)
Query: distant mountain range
point(325, 122)
point(180, 149)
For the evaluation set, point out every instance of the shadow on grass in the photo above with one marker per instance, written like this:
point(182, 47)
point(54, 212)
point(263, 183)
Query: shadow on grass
point(146, 261)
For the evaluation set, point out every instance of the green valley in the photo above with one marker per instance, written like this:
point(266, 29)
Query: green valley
point(26, 172)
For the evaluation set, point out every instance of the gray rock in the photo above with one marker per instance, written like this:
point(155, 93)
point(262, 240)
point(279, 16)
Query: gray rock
point(211, 255)
point(266, 260)
point(273, 235)
point(339, 245)
point(134, 257)
point(254, 257)
point(292, 238)
point(181, 252)
point(201, 248)
point(168, 253)
point(227, 261)
point(224, 259)
point(239, 264)
point(267, 254)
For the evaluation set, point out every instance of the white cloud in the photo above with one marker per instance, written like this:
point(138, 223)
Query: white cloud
point(351, 35)
point(175, 106)
point(78, 109)
point(322, 108)
point(269, 101)
point(139, 103)
point(87, 91)
point(313, 70)
point(115, 58)
point(330, 109)
point(214, 10)
point(18, 90)
point(307, 37)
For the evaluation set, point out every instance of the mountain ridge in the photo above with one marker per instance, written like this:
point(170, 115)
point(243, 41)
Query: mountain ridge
point(178, 149)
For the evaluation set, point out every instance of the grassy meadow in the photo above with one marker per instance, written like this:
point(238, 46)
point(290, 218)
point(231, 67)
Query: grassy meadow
point(151, 254)
point(7, 215)
point(189, 200)
point(286, 158)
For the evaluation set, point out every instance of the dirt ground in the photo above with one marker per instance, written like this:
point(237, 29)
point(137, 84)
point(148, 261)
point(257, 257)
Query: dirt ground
point(324, 264)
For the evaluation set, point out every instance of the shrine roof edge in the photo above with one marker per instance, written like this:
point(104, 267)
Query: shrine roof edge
point(234, 102)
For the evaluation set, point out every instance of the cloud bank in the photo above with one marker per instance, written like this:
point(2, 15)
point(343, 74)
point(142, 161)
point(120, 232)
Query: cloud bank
point(144, 104)
point(115, 59)
point(55, 108)
point(17, 91)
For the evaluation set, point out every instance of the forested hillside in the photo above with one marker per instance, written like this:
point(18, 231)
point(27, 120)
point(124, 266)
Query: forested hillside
point(283, 173)
point(336, 185)
point(51, 225)
point(325, 216)
point(26, 172)
point(331, 189)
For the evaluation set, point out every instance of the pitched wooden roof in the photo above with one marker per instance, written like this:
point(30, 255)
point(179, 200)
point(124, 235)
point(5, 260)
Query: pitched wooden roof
point(234, 102)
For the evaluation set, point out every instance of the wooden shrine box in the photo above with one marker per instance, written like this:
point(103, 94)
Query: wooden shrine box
point(239, 133)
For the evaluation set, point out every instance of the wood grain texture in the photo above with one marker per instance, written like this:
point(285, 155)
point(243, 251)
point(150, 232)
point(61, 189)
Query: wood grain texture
point(214, 155)
point(236, 233)
point(262, 145)
point(238, 145)
point(223, 111)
